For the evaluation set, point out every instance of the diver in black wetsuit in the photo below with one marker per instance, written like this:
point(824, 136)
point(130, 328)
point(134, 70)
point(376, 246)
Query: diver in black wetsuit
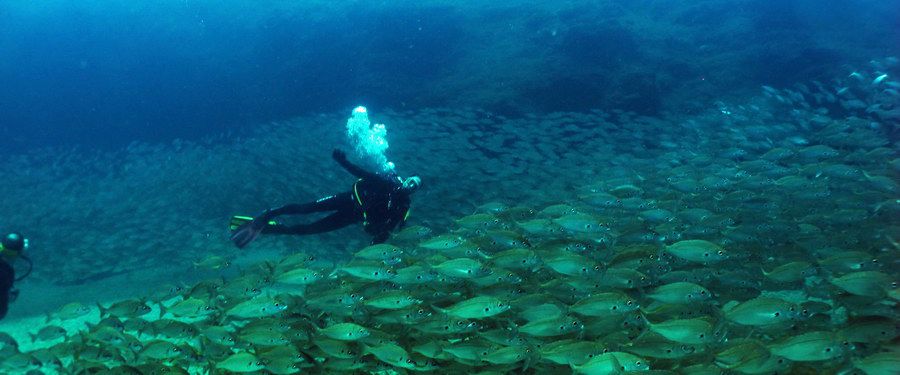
point(11, 247)
point(380, 201)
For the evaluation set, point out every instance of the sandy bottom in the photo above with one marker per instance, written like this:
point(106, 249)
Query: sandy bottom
point(29, 313)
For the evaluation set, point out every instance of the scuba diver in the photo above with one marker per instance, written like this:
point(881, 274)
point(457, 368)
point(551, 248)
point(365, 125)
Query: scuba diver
point(12, 247)
point(379, 200)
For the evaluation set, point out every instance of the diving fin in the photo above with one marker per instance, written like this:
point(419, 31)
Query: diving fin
point(246, 233)
point(237, 221)
point(245, 229)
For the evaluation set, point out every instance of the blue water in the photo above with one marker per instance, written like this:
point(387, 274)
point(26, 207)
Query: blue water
point(101, 74)
point(747, 146)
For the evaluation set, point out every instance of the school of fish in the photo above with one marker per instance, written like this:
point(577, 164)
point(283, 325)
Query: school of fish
point(748, 249)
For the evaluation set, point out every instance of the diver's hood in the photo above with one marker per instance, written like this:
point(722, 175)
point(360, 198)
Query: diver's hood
point(14, 241)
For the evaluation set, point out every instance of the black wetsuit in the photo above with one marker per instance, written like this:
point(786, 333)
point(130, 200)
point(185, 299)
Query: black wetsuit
point(376, 200)
point(7, 277)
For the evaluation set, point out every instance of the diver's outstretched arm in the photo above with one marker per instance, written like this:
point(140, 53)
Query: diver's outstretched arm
point(340, 157)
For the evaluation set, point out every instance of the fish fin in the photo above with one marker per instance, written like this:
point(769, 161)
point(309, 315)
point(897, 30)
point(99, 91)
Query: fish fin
point(728, 306)
point(333, 274)
point(893, 242)
point(440, 310)
point(309, 358)
point(270, 267)
point(102, 310)
point(640, 290)
point(529, 358)
point(647, 322)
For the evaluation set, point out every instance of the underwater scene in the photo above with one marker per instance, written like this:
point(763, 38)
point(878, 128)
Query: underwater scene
point(450, 187)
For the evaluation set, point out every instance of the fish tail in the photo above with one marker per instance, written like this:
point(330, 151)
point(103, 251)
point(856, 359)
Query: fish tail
point(440, 310)
point(102, 310)
point(270, 267)
point(309, 358)
point(893, 242)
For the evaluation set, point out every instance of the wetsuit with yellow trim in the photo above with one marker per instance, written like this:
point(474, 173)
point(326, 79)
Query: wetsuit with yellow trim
point(376, 200)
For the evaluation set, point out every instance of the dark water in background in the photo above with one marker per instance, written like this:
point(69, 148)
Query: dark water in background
point(105, 73)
